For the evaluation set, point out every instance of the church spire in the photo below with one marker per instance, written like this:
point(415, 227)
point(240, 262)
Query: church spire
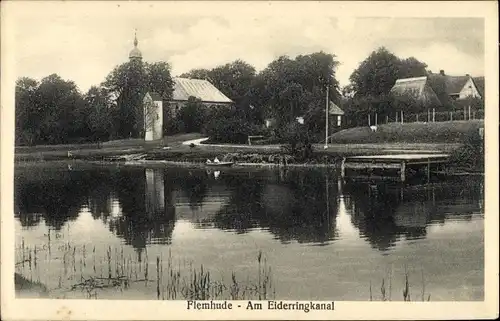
point(135, 54)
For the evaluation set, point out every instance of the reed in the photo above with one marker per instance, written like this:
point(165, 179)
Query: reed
point(177, 279)
point(405, 291)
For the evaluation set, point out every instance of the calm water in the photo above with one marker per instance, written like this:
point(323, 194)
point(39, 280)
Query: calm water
point(323, 238)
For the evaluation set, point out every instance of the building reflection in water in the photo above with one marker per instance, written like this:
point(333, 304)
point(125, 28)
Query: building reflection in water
point(148, 214)
point(139, 205)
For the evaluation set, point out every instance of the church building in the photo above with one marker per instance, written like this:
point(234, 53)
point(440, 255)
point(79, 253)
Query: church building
point(184, 88)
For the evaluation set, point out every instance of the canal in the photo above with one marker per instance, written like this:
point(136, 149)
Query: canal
point(154, 233)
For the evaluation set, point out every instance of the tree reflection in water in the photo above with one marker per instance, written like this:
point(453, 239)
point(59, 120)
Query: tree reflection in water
point(138, 205)
point(54, 195)
point(293, 207)
point(147, 212)
point(384, 212)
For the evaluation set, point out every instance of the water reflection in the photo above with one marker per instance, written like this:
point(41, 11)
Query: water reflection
point(141, 206)
point(384, 213)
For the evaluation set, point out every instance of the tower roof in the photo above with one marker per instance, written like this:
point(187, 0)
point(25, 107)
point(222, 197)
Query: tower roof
point(135, 53)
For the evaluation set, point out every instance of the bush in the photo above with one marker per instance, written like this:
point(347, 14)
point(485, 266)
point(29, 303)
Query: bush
point(471, 154)
point(225, 126)
point(192, 115)
point(298, 141)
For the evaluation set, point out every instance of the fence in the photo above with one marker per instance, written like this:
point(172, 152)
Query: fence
point(430, 116)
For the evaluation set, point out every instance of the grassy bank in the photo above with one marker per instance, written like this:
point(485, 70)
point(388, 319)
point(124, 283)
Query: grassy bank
point(439, 132)
point(448, 137)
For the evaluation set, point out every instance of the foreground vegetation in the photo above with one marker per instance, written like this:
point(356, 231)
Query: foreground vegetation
point(93, 276)
point(92, 272)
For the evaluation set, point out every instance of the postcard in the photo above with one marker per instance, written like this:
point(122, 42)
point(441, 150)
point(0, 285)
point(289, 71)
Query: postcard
point(249, 160)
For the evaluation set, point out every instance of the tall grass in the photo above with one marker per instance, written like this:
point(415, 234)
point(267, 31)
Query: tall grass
point(171, 281)
point(406, 291)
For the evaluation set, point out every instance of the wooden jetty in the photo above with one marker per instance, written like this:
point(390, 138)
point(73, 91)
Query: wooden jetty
point(400, 162)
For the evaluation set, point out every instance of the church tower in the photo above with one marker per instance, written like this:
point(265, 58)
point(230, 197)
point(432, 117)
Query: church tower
point(135, 54)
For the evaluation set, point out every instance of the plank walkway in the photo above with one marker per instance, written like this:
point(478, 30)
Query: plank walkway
point(399, 162)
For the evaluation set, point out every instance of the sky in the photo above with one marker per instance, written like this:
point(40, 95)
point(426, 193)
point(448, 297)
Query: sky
point(84, 43)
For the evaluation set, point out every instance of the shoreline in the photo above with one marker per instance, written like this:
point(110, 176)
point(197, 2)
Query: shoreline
point(192, 164)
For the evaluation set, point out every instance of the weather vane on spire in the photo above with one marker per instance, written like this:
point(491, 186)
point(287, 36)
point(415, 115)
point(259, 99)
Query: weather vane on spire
point(135, 38)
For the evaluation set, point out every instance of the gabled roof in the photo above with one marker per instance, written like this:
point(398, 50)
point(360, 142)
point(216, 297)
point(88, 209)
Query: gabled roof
point(417, 86)
point(335, 110)
point(452, 84)
point(410, 85)
point(479, 82)
point(201, 89)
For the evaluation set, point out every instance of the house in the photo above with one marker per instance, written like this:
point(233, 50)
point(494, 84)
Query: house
point(153, 103)
point(458, 87)
point(439, 89)
point(337, 113)
point(154, 113)
point(418, 87)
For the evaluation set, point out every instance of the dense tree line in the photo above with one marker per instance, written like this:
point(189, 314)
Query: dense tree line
point(287, 88)
point(53, 111)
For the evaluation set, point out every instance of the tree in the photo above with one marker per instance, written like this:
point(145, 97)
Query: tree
point(59, 108)
point(27, 112)
point(225, 125)
point(197, 74)
point(192, 115)
point(159, 79)
point(130, 82)
point(371, 83)
point(291, 88)
point(376, 74)
point(412, 67)
point(101, 113)
point(235, 80)
point(298, 141)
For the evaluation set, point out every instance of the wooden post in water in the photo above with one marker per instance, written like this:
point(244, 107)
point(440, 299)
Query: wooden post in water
point(342, 168)
point(428, 169)
point(403, 171)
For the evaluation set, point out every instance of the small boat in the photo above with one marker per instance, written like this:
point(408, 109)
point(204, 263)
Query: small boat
point(217, 163)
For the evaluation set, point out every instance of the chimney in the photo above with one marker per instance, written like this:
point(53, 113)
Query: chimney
point(441, 72)
point(467, 75)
